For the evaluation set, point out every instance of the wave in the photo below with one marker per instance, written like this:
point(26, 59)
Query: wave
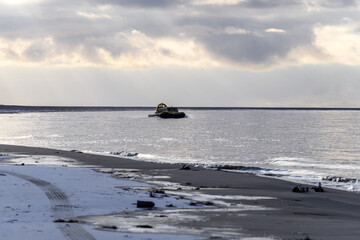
point(309, 163)
point(124, 154)
point(5, 156)
point(341, 179)
point(297, 176)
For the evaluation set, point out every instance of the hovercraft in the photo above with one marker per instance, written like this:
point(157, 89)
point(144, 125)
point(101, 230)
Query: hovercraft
point(164, 111)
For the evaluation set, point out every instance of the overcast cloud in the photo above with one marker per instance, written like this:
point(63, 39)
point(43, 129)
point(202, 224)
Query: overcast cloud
point(253, 38)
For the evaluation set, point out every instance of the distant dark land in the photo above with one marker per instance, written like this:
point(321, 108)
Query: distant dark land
point(20, 109)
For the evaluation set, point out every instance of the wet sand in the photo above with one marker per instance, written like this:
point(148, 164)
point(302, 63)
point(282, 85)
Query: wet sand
point(332, 214)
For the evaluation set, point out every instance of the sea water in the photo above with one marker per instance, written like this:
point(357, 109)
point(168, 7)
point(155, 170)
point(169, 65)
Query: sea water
point(299, 145)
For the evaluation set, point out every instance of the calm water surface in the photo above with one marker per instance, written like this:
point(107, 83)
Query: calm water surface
point(303, 146)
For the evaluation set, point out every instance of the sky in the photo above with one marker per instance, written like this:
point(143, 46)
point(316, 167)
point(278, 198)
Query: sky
point(221, 53)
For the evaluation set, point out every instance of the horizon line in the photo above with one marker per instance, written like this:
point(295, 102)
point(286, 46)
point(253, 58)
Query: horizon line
point(45, 108)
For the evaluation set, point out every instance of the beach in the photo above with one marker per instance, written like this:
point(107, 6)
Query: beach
point(228, 205)
point(181, 120)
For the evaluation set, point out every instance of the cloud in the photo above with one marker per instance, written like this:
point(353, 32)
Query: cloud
point(146, 3)
point(217, 2)
point(270, 4)
point(341, 42)
point(129, 50)
point(234, 31)
point(318, 5)
point(245, 34)
point(93, 15)
point(19, 2)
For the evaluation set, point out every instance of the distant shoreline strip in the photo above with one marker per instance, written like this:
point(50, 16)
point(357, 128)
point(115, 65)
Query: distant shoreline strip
point(21, 109)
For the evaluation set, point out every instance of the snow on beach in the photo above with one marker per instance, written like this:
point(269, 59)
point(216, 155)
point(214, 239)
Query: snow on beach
point(31, 195)
point(51, 197)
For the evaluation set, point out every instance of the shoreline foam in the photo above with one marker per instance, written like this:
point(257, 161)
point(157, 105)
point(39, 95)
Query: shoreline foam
point(338, 182)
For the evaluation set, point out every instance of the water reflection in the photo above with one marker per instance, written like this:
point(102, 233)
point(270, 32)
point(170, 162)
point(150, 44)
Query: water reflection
point(313, 140)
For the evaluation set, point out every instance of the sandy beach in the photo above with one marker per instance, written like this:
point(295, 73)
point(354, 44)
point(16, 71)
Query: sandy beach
point(229, 205)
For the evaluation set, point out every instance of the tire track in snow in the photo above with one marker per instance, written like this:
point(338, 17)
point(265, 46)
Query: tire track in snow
point(60, 206)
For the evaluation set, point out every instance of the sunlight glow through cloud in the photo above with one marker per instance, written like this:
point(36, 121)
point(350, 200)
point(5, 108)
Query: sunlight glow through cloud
point(19, 2)
point(217, 2)
point(93, 15)
point(341, 42)
point(274, 30)
point(149, 53)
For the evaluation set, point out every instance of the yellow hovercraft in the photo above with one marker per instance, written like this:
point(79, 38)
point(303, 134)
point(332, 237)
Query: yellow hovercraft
point(164, 111)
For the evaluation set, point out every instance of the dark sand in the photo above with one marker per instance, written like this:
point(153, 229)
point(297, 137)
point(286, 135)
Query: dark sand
point(332, 214)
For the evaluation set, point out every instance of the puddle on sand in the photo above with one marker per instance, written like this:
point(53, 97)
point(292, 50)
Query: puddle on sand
point(160, 222)
point(195, 222)
point(195, 219)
